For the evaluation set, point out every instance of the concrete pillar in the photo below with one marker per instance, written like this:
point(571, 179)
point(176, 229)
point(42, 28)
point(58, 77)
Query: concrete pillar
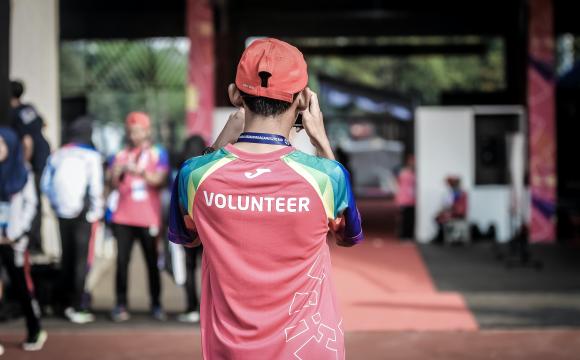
point(4, 56)
point(34, 48)
point(542, 121)
point(200, 79)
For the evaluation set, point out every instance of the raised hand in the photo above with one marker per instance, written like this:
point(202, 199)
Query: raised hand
point(232, 130)
point(313, 122)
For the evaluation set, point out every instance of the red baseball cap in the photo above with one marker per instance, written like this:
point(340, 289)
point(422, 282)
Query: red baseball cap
point(138, 118)
point(272, 68)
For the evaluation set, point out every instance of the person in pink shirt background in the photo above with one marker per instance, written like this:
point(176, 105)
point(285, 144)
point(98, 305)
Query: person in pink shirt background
point(405, 199)
point(138, 173)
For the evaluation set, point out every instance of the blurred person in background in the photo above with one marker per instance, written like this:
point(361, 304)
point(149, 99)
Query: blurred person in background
point(17, 209)
point(73, 182)
point(138, 172)
point(454, 206)
point(405, 199)
point(28, 124)
point(194, 146)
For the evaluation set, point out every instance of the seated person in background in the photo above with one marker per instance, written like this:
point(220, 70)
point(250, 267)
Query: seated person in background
point(454, 207)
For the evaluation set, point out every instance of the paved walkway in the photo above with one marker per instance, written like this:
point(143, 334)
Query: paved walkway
point(175, 344)
point(383, 284)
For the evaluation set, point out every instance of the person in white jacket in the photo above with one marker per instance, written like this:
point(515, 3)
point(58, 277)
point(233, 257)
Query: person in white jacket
point(73, 182)
point(18, 202)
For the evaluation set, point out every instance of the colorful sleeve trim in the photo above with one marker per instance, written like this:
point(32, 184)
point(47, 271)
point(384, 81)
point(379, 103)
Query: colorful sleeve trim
point(196, 171)
point(332, 184)
point(353, 233)
point(177, 231)
point(189, 178)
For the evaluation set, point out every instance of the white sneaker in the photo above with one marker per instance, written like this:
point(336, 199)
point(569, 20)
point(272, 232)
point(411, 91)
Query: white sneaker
point(190, 317)
point(78, 317)
point(1, 350)
point(37, 343)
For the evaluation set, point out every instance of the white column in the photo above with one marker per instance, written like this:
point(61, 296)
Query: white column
point(34, 49)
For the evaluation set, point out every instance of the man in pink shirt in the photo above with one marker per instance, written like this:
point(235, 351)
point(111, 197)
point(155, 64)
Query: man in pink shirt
point(262, 210)
point(406, 199)
point(138, 172)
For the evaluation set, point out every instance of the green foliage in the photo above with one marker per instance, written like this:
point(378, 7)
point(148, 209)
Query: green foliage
point(421, 77)
point(121, 76)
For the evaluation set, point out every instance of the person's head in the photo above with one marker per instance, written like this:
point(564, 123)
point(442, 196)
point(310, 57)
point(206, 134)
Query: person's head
point(80, 130)
point(16, 91)
point(410, 161)
point(13, 173)
point(193, 146)
point(454, 182)
point(271, 81)
point(138, 128)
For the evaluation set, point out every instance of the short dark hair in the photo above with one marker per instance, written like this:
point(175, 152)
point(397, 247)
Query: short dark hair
point(265, 106)
point(16, 89)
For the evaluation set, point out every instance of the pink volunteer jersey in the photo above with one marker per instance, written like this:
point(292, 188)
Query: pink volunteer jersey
point(263, 219)
point(406, 194)
point(139, 203)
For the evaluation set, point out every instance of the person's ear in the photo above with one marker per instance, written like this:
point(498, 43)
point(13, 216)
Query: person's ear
point(235, 96)
point(302, 99)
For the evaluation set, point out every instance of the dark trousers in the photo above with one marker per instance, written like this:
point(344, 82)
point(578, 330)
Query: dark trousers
point(125, 236)
point(75, 236)
point(35, 232)
point(19, 278)
point(190, 280)
point(407, 222)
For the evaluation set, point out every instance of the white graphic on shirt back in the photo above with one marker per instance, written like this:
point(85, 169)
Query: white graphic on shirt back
point(340, 326)
point(301, 328)
point(295, 306)
point(317, 334)
point(259, 171)
point(313, 269)
point(311, 332)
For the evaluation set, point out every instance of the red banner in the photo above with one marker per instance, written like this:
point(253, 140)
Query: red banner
point(200, 79)
point(542, 132)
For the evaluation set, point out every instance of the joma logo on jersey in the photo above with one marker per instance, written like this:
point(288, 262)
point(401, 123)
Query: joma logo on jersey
point(258, 172)
point(257, 203)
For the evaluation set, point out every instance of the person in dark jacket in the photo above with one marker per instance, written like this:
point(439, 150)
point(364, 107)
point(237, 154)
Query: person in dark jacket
point(28, 124)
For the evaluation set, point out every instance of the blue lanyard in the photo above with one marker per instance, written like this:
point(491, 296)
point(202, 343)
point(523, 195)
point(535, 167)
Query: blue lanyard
point(263, 138)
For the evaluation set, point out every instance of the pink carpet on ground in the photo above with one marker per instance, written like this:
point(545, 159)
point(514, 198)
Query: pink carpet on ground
point(384, 285)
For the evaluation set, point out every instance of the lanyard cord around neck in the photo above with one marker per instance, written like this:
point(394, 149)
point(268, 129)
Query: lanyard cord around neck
point(263, 138)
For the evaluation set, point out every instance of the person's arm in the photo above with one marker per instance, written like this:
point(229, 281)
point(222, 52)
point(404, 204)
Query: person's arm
point(181, 228)
point(232, 130)
point(347, 224)
point(28, 147)
point(114, 172)
point(158, 176)
point(23, 132)
point(22, 210)
point(95, 190)
point(155, 178)
point(313, 122)
point(47, 177)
